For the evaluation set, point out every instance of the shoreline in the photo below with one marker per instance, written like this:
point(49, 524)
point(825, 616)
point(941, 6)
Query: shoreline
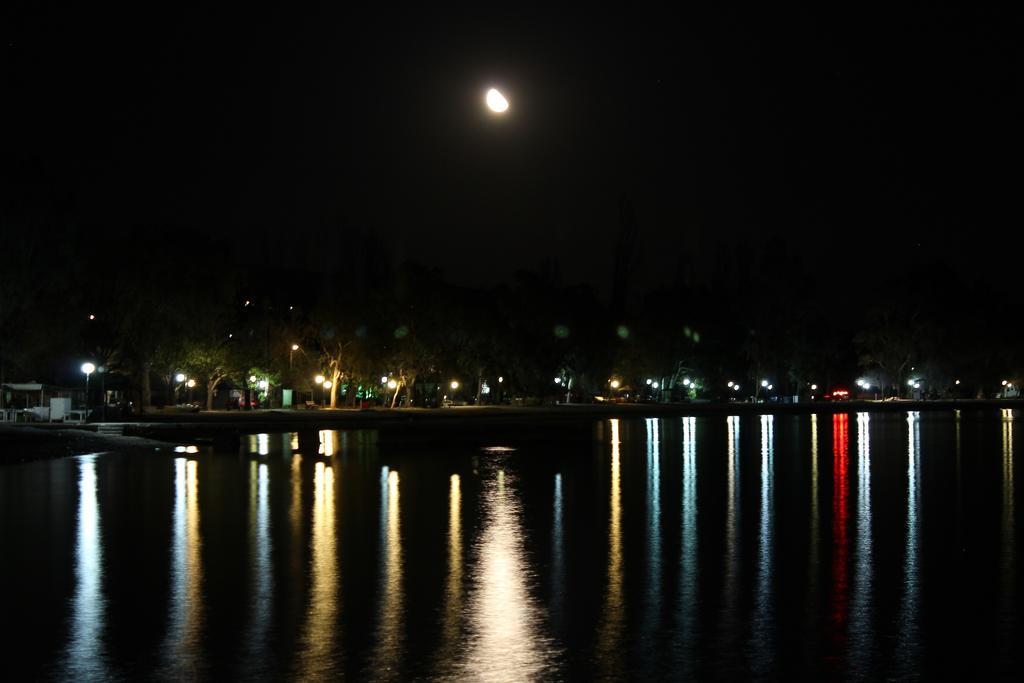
point(405, 426)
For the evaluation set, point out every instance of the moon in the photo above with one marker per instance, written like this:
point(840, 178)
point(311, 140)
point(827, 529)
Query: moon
point(496, 102)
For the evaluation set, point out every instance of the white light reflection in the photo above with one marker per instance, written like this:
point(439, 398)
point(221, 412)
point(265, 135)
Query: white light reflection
point(764, 612)
point(688, 562)
point(388, 651)
point(613, 620)
point(183, 654)
point(317, 657)
point(908, 641)
point(861, 608)
point(506, 640)
point(557, 550)
point(652, 603)
point(262, 579)
point(85, 658)
point(730, 592)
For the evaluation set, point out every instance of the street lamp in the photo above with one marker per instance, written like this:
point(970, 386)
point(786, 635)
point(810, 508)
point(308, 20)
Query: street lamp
point(190, 384)
point(88, 369)
point(295, 347)
point(454, 385)
point(615, 384)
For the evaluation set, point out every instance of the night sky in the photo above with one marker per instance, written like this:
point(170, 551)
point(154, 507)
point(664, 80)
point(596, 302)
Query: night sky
point(864, 139)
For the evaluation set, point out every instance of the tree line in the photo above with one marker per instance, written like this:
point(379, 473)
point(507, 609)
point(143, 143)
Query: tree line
point(147, 313)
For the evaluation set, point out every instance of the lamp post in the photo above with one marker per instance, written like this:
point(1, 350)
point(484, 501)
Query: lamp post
point(190, 383)
point(295, 347)
point(87, 369)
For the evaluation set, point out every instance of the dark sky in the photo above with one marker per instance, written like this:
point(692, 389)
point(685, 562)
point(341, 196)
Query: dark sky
point(864, 139)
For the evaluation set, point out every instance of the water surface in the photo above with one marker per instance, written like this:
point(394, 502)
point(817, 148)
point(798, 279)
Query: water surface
point(848, 546)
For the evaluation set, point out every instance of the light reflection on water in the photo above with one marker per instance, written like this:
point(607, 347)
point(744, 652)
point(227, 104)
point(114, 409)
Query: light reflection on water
point(557, 556)
point(608, 648)
point(839, 597)
point(630, 574)
point(763, 656)
point(1007, 558)
point(652, 608)
point(451, 628)
point(686, 624)
point(85, 658)
point(262, 579)
point(729, 620)
point(908, 638)
point(388, 653)
point(507, 640)
point(183, 650)
point(861, 605)
point(318, 656)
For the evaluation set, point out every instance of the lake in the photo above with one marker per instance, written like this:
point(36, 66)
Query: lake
point(846, 546)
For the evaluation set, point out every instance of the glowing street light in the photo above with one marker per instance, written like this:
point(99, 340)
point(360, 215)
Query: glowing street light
point(454, 385)
point(383, 379)
point(319, 379)
point(736, 387)
point(87, 369)
point(615, 384)
point(327, 384)
point(500, 380)
point(814, 387)
point(649, 382)
point(558, 380)
point(770, 387)
point(957, 382)
point(295, 347)
point(764, 383)
point(686, 382)
point(180, 377)
point(730, 384)
point(654, 385)
point(392, 384)
point(191, 383)
point(1004, 381)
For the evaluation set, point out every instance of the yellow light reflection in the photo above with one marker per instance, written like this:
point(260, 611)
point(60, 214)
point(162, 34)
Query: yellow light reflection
point(814, 554)
point(1007, 532)
point(85, 657)
point(609, 641)
point(293, 441)
point(328, 442)
point(389, 622)
point(318, 658)
point(183, 652)
point(451, 626)
point(506, 640)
